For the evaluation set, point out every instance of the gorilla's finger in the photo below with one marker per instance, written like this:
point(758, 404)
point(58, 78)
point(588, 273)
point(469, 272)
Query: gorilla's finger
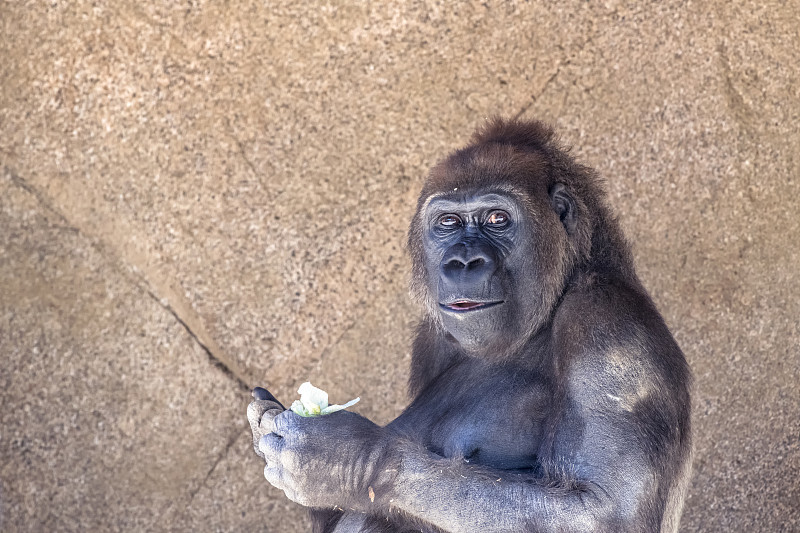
point(256, 410)
point(260, 393)
point(270, 445)
point(258, 452)
point(267, 424)
point(273, 474)
point(286, 423)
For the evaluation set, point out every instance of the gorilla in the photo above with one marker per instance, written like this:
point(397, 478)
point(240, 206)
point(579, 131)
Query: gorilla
point(547, 393)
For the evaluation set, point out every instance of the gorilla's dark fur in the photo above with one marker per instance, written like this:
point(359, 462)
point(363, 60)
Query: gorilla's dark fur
point(548, 394)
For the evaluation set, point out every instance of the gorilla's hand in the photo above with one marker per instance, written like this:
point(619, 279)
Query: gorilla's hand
point(338, 460)
point(261, 414)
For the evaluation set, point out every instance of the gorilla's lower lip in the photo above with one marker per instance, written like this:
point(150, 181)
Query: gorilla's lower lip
point(461, 306)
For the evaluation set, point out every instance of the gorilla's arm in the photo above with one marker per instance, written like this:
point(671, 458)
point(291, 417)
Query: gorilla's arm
point(597, 473)
point(596, 476)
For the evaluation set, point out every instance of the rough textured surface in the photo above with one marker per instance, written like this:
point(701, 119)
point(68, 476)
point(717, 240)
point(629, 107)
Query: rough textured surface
point(198, 197)
point(105, 420)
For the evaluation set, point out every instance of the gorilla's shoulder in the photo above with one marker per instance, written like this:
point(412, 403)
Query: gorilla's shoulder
point(608, 319)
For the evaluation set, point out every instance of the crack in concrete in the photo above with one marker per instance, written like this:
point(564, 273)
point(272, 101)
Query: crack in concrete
point(141, 282)
point(331, 346)
point(535, 97)
point(590, 40)
point(185, 504)
point(247, 161)
point(553, 76)
point(216, 463)
point(187, 319)
point(17, 180)
point(243, 155)
point(213, 359)
point(741, 111)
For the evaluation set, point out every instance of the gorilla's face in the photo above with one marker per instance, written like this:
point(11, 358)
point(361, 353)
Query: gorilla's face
point(480, 263)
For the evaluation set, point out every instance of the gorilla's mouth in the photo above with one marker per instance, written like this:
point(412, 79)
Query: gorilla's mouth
point(468, 305)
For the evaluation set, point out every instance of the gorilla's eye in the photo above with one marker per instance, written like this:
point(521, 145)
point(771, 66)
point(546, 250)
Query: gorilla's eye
point(498, 218)
point(449, 220)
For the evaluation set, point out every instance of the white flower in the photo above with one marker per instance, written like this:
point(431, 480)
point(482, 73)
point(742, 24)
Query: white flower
point(314, 402)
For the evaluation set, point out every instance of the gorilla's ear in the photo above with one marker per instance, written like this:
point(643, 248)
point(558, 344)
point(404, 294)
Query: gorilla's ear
point(564, 206)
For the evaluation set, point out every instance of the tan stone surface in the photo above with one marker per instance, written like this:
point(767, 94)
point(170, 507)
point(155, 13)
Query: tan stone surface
point(113, 415)
point(245, 171)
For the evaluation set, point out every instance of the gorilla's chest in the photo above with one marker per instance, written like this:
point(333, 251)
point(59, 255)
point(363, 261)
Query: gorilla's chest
point(497, 421)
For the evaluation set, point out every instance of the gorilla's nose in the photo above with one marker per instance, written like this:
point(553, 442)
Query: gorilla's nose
point(465, 264)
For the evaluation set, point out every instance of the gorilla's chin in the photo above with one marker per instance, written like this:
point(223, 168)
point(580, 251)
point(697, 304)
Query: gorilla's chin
point(476, 331)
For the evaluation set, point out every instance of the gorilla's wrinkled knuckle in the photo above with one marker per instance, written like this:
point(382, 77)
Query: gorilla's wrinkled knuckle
point(291, 426)
point(267, 424)
point(290, 459)
point(271, 446)
point(297, 497)
point(272, 473)
point(283, 421)
point(257, 409)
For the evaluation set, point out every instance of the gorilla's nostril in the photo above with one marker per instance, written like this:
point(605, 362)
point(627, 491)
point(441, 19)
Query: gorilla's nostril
point(455, 263)
point(476, 262)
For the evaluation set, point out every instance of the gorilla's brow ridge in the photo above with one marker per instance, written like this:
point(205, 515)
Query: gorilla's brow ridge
point(499, 189)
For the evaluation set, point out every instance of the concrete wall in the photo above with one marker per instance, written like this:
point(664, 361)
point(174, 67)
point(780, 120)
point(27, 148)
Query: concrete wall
point(201, 196)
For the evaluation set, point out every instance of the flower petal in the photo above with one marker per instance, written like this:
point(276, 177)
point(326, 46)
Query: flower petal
point(313, 399)
point(333, 408)
point(299, 409)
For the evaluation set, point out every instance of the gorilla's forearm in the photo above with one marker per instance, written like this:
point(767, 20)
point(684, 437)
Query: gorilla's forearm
point(459, 497)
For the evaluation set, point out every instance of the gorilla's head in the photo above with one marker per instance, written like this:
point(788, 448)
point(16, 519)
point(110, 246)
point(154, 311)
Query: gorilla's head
point(499, 229)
